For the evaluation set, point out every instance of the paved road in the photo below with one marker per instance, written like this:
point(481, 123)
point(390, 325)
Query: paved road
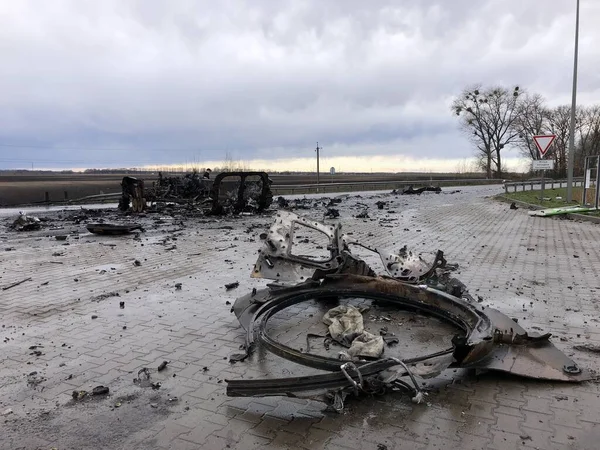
point(542, 271)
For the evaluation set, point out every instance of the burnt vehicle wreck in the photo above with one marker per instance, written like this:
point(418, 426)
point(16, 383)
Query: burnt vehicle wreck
point(485, 339)
point(228, 193)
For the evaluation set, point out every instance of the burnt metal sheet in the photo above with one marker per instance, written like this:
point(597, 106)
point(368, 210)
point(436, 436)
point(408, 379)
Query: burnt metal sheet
point(530, 355)
point(232, 196)
point(113, 229)
point(277, 260)
point(488, 339)
point(408, 266)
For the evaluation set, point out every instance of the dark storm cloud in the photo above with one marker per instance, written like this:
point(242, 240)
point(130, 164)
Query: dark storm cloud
point(175, 81)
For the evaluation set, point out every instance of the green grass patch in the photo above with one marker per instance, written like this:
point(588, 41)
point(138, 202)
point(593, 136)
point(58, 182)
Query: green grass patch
point(533, 197)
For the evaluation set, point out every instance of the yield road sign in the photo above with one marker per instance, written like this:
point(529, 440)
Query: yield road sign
point(543, 142)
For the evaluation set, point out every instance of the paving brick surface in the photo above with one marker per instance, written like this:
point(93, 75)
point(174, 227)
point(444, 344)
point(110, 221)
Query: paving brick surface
point(542, 271)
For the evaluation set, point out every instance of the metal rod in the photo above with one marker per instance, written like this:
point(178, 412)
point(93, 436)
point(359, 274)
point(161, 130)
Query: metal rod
point(571, 156)
point(318, 148)
point(597, 181)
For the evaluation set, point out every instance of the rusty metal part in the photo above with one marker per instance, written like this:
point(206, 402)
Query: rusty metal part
point(132, 192)
point(418, 191)
point(113, 229)
point(277, 260)
point(240, 193)
point(189, 187)
point(407, 266)
point(488, 339)
point(230, 192)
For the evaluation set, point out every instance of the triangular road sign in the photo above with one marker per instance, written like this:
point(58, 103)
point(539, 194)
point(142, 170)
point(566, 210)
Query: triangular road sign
point(543, 143)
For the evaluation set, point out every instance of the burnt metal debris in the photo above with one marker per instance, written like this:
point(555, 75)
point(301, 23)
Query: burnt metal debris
point(132, 193)
point(26, 223)
point(418, 191)
point(237, 192)
point(229, 193)
point(113, 229)
point(486, 339)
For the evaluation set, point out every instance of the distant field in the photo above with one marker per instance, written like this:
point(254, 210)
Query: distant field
point(22, 189)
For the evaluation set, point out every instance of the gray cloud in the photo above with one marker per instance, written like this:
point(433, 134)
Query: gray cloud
point(266, 78)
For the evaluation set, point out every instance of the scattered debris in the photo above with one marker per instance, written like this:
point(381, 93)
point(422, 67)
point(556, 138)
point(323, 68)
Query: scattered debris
point(282, 202)
point(332, 213)
point(99, 298)
point(100, 390)
point(231, 286)
point(145, 372)
point(79, 395)
point(26, 223)
point(412, 191)
point(113, 229)
point(587, 348)
point(6, 288)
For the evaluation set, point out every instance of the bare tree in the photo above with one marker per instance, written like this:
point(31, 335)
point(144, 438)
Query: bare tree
point(559, 120)
point(488, 117)
point(532, 120)
point(467, 166)
point(589, 136)
point(229, 164)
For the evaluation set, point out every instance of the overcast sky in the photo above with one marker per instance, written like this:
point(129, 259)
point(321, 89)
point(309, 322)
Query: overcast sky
point(128, 83)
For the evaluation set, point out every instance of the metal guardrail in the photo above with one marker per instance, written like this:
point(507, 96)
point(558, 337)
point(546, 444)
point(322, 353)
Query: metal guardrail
point(538, 181)
point(324, 188)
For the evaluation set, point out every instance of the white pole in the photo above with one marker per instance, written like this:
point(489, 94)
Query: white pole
point(571, 156)
point(318, 148)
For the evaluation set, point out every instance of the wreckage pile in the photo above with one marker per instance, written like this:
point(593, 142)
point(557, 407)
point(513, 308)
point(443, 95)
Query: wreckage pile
point(229, 193)
point(412, 191)
point(486, 338)
point(26, 223)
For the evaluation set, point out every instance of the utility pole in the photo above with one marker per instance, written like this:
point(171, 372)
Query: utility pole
point(571, 157)
point(318, 148)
